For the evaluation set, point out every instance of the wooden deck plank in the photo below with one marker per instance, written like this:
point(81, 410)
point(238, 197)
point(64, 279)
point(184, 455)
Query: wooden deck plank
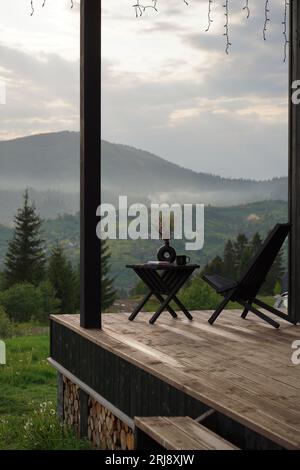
point(200, 433)
point(240, 368)
point(169, 437)
point(209, 344)
point(181, 433)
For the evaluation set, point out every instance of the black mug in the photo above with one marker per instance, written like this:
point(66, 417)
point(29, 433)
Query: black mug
point(182, 260)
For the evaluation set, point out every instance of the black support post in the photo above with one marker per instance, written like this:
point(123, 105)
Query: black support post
point(90, 148)
point(294, 164)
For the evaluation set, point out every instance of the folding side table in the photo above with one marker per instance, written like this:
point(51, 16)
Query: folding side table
point(163, 280)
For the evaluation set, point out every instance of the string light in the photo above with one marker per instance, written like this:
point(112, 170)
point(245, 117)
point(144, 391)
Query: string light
point(285, 20)
point(267, 19)
point(210, 21)
point(43, 4)
point(152, 6)
point(138, 9)
point(226, 26)
point(247, 9)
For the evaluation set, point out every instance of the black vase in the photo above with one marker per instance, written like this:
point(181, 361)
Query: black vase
point(166, 253)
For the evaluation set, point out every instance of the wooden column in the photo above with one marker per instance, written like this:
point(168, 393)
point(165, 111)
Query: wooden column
point(294, 165)
point(90, 148)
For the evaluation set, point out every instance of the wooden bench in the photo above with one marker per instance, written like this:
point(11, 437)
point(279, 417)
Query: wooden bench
point(181, 433)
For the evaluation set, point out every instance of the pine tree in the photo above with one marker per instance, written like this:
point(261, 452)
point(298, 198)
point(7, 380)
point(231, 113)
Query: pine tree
point(108, 293)
point(62, 277)
point(242, 254)
point(256, 244)
point(229, 261)
point(274, 275)
point(25, 258)
point(214, 267)
point(276, 272)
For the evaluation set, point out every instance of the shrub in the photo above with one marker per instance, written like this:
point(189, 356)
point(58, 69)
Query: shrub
point(50, 304)
point(277, 288)
point(139, 289)
point(199, 296)
point(22, 302)
point(5, 324)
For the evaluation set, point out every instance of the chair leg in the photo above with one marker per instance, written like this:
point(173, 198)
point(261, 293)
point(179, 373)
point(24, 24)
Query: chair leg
point(273, 310)
point(245, 313)
point(260, 314)
point(221, 307)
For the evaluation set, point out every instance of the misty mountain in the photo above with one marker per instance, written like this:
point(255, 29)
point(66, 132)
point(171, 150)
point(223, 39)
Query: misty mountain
point(49, 163)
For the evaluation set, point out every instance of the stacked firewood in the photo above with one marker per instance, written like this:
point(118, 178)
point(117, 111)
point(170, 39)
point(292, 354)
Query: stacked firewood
point(106, 431)
point(71, 404)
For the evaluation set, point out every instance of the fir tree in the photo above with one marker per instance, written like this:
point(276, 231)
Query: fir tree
point(242, 254)
point(25, 258)
point(256, 244)
point(276, 272)
point(238, 255)
point(229, 261)
point(62, 277)
point(214, 267)
point(108, 293)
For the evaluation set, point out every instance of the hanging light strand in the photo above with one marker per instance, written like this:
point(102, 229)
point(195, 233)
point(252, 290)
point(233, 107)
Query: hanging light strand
point(247, 9)
point(285, 29)
point(154, 5)
point(210, 20)
point(43, 4)
point(140, 8)
point(267, 20)
point(226, 26)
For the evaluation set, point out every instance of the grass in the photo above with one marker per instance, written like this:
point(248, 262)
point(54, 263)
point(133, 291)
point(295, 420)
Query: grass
point(26, 382)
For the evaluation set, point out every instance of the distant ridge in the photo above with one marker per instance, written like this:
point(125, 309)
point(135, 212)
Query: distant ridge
point(50, 162)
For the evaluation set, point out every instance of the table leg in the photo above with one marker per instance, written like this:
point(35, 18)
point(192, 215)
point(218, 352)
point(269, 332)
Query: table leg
point(170, 297)
point(170, 310)
point(183, 308)
point(139, 307)
point(153, 282)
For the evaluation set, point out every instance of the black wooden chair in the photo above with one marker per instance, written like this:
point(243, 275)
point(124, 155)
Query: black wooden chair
point(246, 289)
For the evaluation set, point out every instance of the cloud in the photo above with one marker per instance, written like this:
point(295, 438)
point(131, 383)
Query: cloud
point(167, 86)
point(42, 93)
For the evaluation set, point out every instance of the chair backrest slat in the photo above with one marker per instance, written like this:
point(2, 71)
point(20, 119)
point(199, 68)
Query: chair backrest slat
point(256, 273)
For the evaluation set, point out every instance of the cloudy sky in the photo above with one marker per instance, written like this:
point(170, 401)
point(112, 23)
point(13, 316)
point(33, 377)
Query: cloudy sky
point(167, 85)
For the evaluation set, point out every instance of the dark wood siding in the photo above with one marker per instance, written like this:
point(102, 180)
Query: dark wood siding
point(134, 391)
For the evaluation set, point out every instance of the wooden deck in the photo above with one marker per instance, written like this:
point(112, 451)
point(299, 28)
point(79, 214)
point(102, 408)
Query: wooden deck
point(241, 368)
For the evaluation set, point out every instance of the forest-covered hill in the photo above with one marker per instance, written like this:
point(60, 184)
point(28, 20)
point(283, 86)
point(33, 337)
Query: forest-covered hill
point(221, 223)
